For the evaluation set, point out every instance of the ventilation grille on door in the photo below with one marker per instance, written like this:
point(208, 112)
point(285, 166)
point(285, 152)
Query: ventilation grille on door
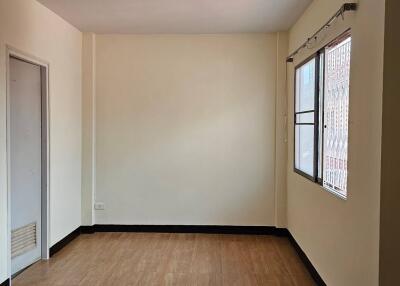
point(23, 239)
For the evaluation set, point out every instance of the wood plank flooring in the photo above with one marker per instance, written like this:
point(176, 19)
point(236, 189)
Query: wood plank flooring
point(170, 259)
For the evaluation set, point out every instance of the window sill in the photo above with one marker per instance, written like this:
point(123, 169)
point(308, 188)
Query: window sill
point(325, 189)
point(334, 193)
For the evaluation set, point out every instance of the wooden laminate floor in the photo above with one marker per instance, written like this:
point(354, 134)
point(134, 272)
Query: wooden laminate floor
point(170, 259)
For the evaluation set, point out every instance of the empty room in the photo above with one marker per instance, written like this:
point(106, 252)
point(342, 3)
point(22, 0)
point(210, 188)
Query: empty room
point(199, 142)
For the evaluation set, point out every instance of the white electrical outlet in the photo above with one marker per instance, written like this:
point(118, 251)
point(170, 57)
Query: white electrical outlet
point(99, 206)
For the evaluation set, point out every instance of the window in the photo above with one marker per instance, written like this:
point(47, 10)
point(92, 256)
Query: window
point(321, 116)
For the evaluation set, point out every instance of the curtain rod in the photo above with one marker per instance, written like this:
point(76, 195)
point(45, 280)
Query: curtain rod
point(345, 7)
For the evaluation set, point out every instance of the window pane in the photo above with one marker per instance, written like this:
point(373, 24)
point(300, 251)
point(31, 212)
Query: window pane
point(304, 148)
point(305, 87)
point(305, 117)
point(336, 110)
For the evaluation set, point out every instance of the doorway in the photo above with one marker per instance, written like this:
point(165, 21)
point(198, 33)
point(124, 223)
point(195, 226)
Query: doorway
point(27, 161)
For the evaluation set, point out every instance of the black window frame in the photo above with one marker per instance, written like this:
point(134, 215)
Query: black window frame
point(319, 89)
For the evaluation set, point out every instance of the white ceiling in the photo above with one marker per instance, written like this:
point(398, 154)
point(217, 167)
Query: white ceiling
point(179, 16)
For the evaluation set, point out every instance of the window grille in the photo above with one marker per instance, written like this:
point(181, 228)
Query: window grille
point(336, 110)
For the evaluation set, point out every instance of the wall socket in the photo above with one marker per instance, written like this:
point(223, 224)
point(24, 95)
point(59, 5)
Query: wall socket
point(99, 206)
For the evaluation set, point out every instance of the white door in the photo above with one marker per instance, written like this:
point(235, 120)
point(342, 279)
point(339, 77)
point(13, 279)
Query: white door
point(25, 163)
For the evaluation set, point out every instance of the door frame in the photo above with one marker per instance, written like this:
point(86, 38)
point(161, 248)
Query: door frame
point(45, 198)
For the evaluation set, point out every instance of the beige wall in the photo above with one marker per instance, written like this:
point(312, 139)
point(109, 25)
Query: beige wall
point(186, 129)
point(33, 29)
point(390, 196)
point(88, 127)
point(341, 238)
point(281, 131)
